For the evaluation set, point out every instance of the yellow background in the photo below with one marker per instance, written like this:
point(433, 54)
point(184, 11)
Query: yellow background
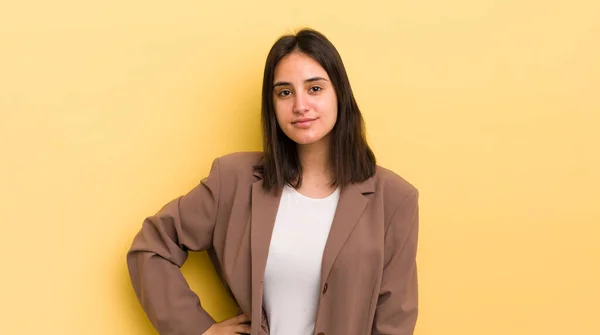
point(491, 107)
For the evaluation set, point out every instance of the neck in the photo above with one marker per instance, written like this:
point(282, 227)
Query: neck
point(315, 162)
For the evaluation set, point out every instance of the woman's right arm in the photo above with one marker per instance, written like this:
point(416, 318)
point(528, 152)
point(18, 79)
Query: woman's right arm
point(159, 250)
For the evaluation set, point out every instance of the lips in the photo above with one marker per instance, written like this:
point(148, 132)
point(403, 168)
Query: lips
point(305, 120)
point(304, 123)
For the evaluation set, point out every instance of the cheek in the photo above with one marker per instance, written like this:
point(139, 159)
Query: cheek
point(329, 110)
point(280, 113)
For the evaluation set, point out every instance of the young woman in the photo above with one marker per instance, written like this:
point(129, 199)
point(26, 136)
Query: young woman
point(310, 235)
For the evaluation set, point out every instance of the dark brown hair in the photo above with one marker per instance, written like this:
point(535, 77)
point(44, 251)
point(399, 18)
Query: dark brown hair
point(351, 158)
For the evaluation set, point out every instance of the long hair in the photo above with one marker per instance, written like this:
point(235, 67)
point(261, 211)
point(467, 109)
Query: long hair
point(351, 158)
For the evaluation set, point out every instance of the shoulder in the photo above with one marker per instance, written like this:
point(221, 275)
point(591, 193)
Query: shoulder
point(242, 160)
point(236, 169)
point(394, 188)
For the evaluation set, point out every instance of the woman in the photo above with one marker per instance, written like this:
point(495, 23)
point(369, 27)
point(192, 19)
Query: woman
point(310, 236)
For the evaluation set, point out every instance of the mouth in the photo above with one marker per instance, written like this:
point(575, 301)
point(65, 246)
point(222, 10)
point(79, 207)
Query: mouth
point(303, 122)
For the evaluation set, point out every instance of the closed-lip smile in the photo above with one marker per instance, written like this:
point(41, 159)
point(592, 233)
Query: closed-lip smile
point(303, 120)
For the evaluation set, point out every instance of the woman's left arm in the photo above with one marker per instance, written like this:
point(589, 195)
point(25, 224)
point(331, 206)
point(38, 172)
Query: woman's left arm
point(397, 306)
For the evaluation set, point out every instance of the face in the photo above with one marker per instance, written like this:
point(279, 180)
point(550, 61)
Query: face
point(304, 99)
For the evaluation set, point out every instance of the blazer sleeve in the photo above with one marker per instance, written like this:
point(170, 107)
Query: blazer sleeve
point(159, 250)
point(396, 311)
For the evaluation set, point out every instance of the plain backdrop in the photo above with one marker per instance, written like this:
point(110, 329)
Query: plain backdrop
point(491, 108)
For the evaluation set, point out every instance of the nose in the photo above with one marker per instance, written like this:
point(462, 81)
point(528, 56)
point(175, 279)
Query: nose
point(300, 104)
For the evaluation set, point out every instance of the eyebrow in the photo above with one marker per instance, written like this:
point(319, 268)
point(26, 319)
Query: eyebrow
point(309, 80)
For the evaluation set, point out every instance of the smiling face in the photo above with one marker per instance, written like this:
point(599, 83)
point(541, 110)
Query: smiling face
point(304, 99)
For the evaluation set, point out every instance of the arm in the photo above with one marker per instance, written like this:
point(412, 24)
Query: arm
point(160, 249)
point(397, 310)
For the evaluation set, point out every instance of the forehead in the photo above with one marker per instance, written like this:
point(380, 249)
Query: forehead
point(298, 66)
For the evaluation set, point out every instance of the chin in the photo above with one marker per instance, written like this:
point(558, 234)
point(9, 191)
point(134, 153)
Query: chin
point(304, 140)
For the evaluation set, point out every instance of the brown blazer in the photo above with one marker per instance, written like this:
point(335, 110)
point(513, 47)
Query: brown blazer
point(368, 276)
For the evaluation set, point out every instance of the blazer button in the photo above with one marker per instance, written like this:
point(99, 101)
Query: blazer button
point(324, 290)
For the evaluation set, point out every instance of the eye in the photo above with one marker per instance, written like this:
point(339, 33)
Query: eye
point(315, 89)
point(284, 93)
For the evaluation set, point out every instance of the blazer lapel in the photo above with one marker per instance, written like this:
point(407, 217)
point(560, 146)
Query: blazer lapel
point(350, 206)
point(265, 205)
point(264, 211)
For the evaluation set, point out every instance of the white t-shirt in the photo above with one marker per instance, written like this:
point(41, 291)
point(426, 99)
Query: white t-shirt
point(293, 272)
